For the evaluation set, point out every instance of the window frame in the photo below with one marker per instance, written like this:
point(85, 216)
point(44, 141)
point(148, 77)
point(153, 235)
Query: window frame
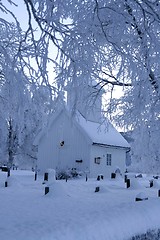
point(97, 160)
point(109, 159)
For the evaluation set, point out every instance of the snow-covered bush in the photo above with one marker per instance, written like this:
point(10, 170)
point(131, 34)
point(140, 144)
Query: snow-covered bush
point(66, 174)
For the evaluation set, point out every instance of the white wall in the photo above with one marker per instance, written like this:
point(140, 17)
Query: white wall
point(118, 160)
point(76, 147)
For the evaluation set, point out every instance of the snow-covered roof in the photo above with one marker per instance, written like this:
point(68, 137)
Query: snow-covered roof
point(103, 134)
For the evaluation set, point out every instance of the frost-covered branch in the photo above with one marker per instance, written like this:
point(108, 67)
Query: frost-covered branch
point(113, 43)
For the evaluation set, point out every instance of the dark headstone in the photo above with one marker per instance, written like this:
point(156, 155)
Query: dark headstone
point(86, 178)
point(46, 177)
point(4, 169)
point(125, 178)
point(128, 183)
point(97, 189)
point(113, 175)
point(35, 176)
point(155, 177)
point(8, 173)
point(98, 178)
point(139, 176)
point(6, 184)
point(46, 190)
point(151, 183)
point(140, 199)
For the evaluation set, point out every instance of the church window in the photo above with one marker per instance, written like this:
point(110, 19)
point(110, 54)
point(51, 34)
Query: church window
point(109, 159)
point(97, 160)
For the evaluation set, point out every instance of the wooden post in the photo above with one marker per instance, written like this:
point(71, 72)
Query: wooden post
point(128, 183)
point(86, 178)
point(35, 176)
point(46, 190)
point(8, 173)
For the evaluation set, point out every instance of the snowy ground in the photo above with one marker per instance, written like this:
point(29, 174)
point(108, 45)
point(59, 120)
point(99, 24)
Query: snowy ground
point(73, 211)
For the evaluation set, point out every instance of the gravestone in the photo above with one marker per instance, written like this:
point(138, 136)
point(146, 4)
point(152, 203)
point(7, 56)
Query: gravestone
point(128, 183)
point(6, 184)
point(98, 178)
point(125, 178)
point(151, 183)
point(113, 175)
point(97, 189)
point(141, 197)
point(46, 190)
point(46, 176)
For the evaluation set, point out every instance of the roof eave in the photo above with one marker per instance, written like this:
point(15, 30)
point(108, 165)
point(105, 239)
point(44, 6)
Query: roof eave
point(109, 145)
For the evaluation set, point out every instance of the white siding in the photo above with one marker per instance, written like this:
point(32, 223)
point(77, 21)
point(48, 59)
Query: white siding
point(76, 147)
point(118, 160)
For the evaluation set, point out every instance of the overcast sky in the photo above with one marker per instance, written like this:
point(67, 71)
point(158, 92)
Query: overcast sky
point(19, 11)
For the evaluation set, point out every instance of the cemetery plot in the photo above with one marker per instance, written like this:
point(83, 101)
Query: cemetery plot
point(77, 209)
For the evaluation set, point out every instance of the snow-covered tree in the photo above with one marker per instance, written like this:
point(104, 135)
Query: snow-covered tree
point(23, 106)
point(113, 42)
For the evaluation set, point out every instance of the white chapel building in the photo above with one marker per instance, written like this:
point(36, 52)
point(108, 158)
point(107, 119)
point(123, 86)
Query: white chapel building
point(81, 140)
